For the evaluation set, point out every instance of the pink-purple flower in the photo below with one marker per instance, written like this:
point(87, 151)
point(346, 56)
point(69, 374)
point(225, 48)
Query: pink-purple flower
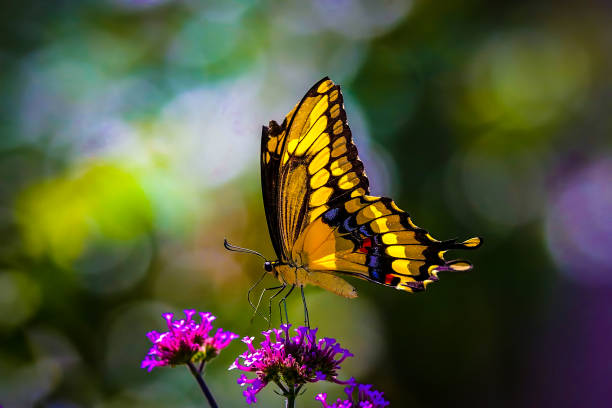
point(289, 362)
point(366, 398)
point(186, 341)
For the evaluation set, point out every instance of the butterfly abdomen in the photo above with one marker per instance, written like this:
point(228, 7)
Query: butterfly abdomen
point(291, 275)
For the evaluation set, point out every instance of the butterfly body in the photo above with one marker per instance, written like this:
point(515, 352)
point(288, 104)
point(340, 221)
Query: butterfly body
point(300, 276)
point(323, 223)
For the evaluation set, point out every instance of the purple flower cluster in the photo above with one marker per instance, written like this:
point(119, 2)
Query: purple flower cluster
point(186, 341)
point(366, 398)
point(289, 362)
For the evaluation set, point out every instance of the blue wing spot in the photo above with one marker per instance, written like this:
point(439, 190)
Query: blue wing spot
point(350, 224)
point(373, 261)
point(377, 250)
point(365, 230)
point(330, 216)
point(377, 274)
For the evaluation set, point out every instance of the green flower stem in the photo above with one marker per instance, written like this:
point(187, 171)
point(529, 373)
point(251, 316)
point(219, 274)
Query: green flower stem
point(290, 403)
point(291, 395)
point(203, 386)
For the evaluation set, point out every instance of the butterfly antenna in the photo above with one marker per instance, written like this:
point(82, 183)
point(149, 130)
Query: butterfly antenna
point(235, 248)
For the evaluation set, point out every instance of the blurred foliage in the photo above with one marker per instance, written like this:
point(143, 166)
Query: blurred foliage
point(129, 150)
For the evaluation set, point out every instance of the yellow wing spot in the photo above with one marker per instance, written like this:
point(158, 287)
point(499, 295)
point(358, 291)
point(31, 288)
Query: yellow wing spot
point(472, 242)
point(460, 266)
point(320, 196)
point(339, 163)
point(285, 158)
point(338, 127)
point(272, 144)
point(430, 237)
point(338, 151)
point(318, 110)
point(347, 181)
point(319, 178)
point(406, 267)
point(372, 198)
point(319, 161)
point(441, 254)
point(321, 142)
point(396, 251)
point(427, 282)
point(314, 214)
point(335, 111)
point(400, 237)
point(395, 207)
point(340, 166)
point(267, 157)
point(389, 238)
point(333, 95)
point(401, 266)
point(384, 224)
point(312, 135)
point(292, 145)
point(409, 251)
point(372, 211)
point(339, 141)
point(379, 225)
point(353, 205)
point(413, 225)
point(358, 192)
point(314, 132)
point(324, 87)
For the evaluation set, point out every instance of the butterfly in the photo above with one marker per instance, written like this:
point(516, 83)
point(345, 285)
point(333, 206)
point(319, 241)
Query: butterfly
point(323, 223)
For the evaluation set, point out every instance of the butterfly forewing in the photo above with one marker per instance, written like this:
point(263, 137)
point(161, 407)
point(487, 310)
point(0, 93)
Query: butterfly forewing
point(308, 162)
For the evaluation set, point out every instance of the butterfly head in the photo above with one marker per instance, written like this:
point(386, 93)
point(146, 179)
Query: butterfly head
point(272, 267)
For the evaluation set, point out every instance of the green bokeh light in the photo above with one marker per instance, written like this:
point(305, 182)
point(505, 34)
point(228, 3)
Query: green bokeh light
point(61, 216)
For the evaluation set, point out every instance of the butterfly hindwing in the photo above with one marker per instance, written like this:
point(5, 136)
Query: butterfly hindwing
point(371, 238)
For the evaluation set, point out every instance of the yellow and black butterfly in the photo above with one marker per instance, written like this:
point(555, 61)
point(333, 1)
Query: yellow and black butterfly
point(322, 222)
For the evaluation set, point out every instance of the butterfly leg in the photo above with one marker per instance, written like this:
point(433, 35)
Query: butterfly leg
point(251, 289)
point(283, 286)
point(259, 301)
point(306, 318)
point(283, 303)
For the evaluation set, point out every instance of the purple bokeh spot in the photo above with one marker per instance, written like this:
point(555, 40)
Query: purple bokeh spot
point(579, 224)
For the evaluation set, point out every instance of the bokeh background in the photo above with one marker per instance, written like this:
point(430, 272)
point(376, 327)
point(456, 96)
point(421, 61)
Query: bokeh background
point(129, 149)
